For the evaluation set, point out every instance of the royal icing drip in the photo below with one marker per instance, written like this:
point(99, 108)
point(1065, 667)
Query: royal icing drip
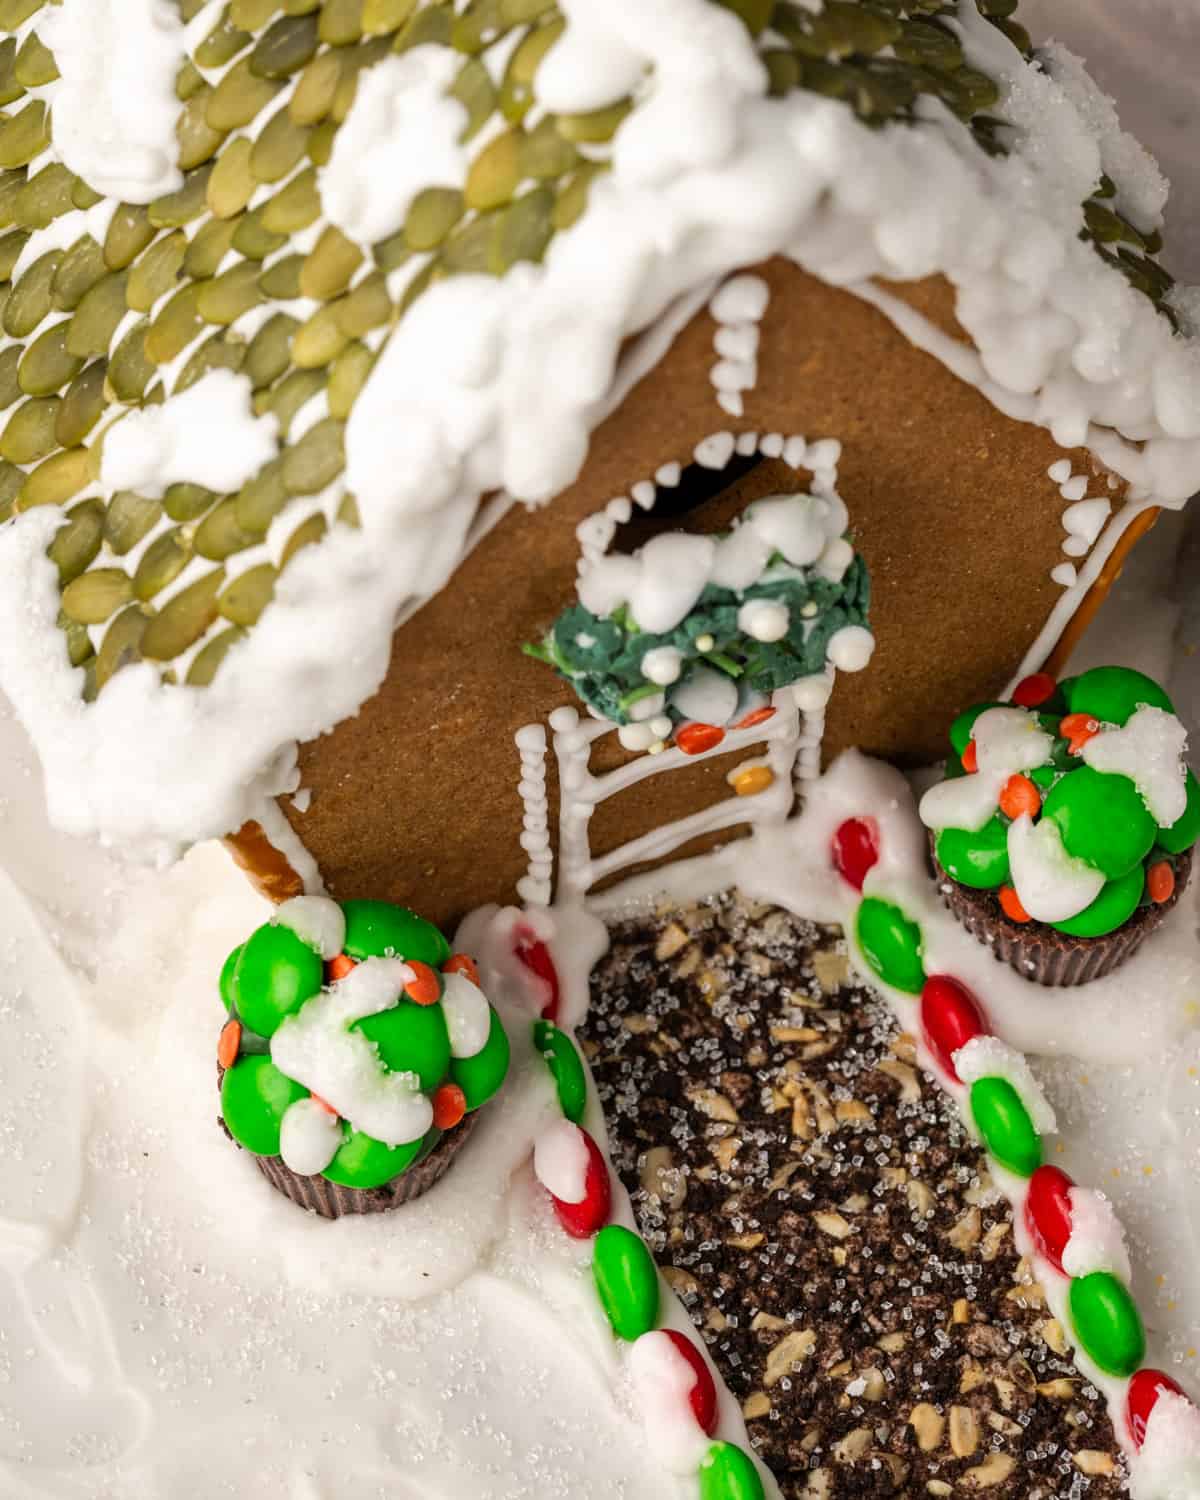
point(1149, 749)
point(989, 1057)
point(737, 308)
point(317, 921)
point(1097, 1241)
point(1052, 885)
point(1007, 741)
point(468, 1018)
point(560, 1161)
point(309, 1137)
point(663, 1380)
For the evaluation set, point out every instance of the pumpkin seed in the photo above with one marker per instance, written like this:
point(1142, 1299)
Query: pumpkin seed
point(317, 459)
point(128, 518)
point(44, 197)
point(572, 199)
point(928, 44)
point(76, 543)
point(161, 563)
point(98, 315)
point(207, 661)
point(175, 209)
point(495, 173)
point(31, 298)
point(222, 44)
point(261, 499)
point(80, 269)
point(367, 306)
point(253, 239)
point(1109, 227)
point(515, 12)
point(279, 147)
point(190, 9)
point(25, 135)
point(175, 326)
point(11, 246)
point(56, 479)
point(240, 97)
point(10, 386)
point(596, 126)
point(295, 206)
point(198, 141)
point(14, 13)
point(270, 351)
point(82, 405)
point(183, 620)
point(429, 27)
point(218, 353)
point(754, 13)
point(966, 91)
point(47, 365)
point(839, 30)
point(355, 59)
point(219, 536)
point(347, 512)
point(320, 142)
point(468, 250)
point(79, 643)
point(379, 16)
point(130, 370)
point(391, 254)
point(347, 377)
point(121, 644)
point(523, 231)
point(11, 184)
point(11, 480)
point(477, 26)
point(305, 535)
point(285, 47)
point(319, 340)
point(545, 154)
point(188, 502)
point(232, 184)
point(28, 435)
point(252, 15)
point(313, 96)
point(188, 81)
point(432, 214)
point(224, 299)
point(475, 91)
point(248, 595)
point(153, 276)
point(10, 89)
point(327, 270)
point(209, 247)
point(292, 393)
point(516, 89)
point(341, 22)
point(96, 596)
point(281, 280)
point(128, 235)
point(998, 9)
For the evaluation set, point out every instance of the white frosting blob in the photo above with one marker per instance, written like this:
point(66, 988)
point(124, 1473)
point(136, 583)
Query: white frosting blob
point(706, 695)
point(317, 921)
point(851, 648)
point(989, 1057)
point(1010, 740)
point(1168, 1467)
point(309, 1137)
point(662, 664)
point(560, 1161)
point(1052, 884)
point(1149, 749)
point(1097, 1241)
point(468, 1016)
point(663, 1381)
point(764, 619)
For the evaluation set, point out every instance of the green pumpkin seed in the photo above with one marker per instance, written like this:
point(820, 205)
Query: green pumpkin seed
point(261, 499)
point(218, 353)
point(285, 47)
point(188, 81)
point(11, 184)
point(928, 44)
point(76, 543)
point(173, 210)
point(96, 596)
point(79, 270)
point(188, 502)
point(79, 643)
point(219, 536)
point(475, 91)
point(56, 479)
point(319, 340)
point(14, 13)
point(232, 184)
point(837, 31)
point(305, 535)
point(198, 141)
point(467, 252)
point(207, 661)
point(313, 96)
point(281, 280)
point(516, 90)
point(11, 480)
point(29, 435)
point(253, 15)
point(292, 393)
point(516, 12)
point(248, 595)
point(224, 299)
point(209, 246)
point(391, 254)
point(183, 620)
point(269, 352)
point(279, 148)
point(222, 44)
point(320, 142)
point(10, 89)
point(341, 22)
point(11, 246)
point(755, 14)
point(301, 7)
point(597, 125)
point(477, 26)
point(47, 365)
point(128, 235)
point(10, 386)
point(161, 563)
point(82, 405)
point(121, 644)
point(385, 16)
point(545, 155)
point(348, 514)
point(253, 239)
point(495, 173)
point(128, 518)
point(98, 315)
point(190, 9)
point(429, 27)
point(327, 270)
point(523, 231)
point(295, 206)
point(240, 97)
point(32, 299)
point(157, 272)
point(25, 135)
point(354, 60)
point(347, 377)
point(432, 214)
point(175, 326)
point(130, 370)
point(317, 459)
point(998, 9)
point(966, 91)
point(367, 306)
point(44, 197)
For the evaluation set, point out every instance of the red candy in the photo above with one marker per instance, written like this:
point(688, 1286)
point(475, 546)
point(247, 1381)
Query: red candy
point(695, 739)
point(582, 1220)
point(1144, 1390)
point(1048, 1213)
point(1032, 692)
point(855, 849)
point(970, 758)
point(703, 1395)
point(534, 954)
point(950, 1017)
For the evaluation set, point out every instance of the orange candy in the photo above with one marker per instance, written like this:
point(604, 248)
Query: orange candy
point(325, 1105)
point(1078, 729)
point(1010, 904)
point(756, 716)
point(460, 963)
point(1020, 798)
point(425, 987)
point(449, 1106)
point(970, 757)
point(695, 739)
point(1160, 882)
point(340, 966)
point(228, 1043)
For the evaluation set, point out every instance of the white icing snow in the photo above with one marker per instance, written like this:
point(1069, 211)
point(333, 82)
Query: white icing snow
point(851, 648)
point(209, 435)
point(1052, 884)
point(401, 136)
point(737, 308)
point(468, 1017)
point(317, 921)
point(1007, 741)
point(663, 1381)
point(1149, 749)
point(764, 619)
point(1168, 1467)
point(662, 664)
point(309, 1137)
point(114, 108)
point(989, 1057)
point(706, 695)
point(1084, 521)
point(1097, 1241)
point(560, 1161)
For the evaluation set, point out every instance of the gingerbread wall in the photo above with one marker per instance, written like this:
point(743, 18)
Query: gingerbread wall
point(415, 799)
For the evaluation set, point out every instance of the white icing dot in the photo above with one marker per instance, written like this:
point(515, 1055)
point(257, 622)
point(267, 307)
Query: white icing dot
point(468, 1015)
point(309, 1137)
point(706, 696)
point(989, 1057)
point(662, 664)
point(638, 736)
point(1066, 574)
point(742, 299)
point(851, 648)
point(764, 619)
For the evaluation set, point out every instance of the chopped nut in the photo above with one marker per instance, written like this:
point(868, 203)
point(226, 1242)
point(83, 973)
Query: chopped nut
point(725, 1151)
point(1002, 1424)
point(661, 1178)
point(831, 969)
point(788, 1355)
point(783, 1176)
point(800, 1118)
point(716, 1320)
point(928, 1424)
point(1093, 1461)
point(782, 1033)
point(671, 940)
point(745, 1241)
point(851, 1110)
point(688, 964)
point(682, 1283)
point(714, 1105)
point(875, 1386)
point(1061, 1389)
point(995, 1469)
point(961, 1311)
point(768, 1321)
point(905, 1076)
point(964, 1431)
point(756, 1404)
point(857, 1203)
point(811, 1050)
point(1052, 1332)
point(833, 1224)
point(939, 1487)
point(992, 1240)
point(1007, 1391)
point(818, 1484)
point(894, 1464)
point(972, 1377)
point(965, 1234)
point(637, 1025)
point(920, 1197)
point(853, 1445)
point(826, 1119)
point(892, 1343)
point(905, 1046)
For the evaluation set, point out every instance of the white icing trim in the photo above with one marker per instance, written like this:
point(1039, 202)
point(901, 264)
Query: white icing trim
point(534, 885)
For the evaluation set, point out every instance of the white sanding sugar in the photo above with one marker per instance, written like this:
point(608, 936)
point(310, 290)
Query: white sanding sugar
point(1097, 1241)
point(664, 1380)
point(1168, 1467)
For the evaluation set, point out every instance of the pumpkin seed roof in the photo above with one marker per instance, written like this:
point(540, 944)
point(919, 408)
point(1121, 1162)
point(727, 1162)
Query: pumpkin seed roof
point(240, 269)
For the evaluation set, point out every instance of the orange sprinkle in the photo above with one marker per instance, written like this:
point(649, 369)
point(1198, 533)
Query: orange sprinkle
point(1078, 729)
point(340, 966)
point(695, 739)
point(1160, 882)
point(425, 987)
point(1010, 903)
point(325, 1105)
point(460, 963)
point(1020, 798)
point(970, 757)
point(756, 716)
point(228, 1044)
point(449, 1106)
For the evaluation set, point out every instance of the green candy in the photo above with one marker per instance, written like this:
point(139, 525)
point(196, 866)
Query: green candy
point(411, 1038)
point(1003, 1122)
point(728, 1473)
point(363, 1162)
point(980, 859)
point(565, 1066)
point(480, 1076)
point(225, 983)
point(961, 729)
point(891, 944)
point(377, 928)
point(1184, 832)
point(1113, 694)
point(275, 975)
point(1102, 820)
point(627, 1282)
point(1107, 1323)
point(255, 1095)
point(1114, 906)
